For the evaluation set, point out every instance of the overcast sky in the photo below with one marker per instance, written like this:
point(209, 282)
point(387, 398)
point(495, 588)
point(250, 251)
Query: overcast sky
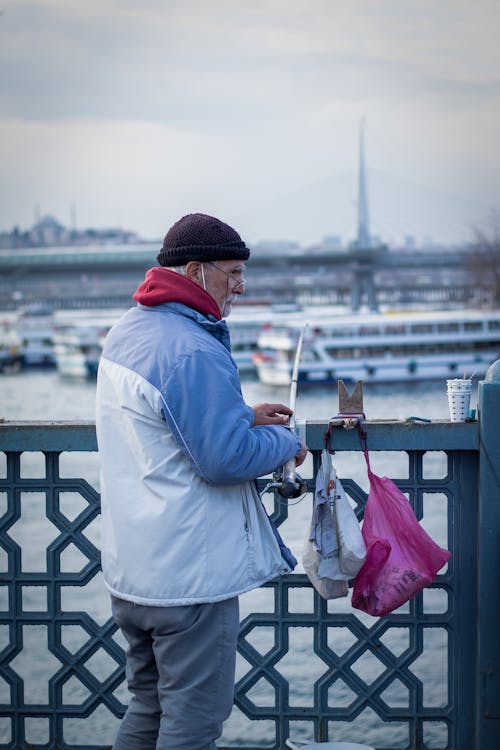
point(139, 112)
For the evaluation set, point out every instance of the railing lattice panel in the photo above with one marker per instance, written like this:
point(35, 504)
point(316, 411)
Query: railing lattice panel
point(353, 665)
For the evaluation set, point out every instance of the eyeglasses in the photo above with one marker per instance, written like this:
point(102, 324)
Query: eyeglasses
point(238, 283)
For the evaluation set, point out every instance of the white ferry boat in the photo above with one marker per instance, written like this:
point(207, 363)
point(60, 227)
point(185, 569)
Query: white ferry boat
point(77, 351)
point(78, 341)
point(246, 323)
point(381, 347)
point(34, 331)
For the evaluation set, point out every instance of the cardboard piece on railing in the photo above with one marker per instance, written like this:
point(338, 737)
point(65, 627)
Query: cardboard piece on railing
point(350, 404)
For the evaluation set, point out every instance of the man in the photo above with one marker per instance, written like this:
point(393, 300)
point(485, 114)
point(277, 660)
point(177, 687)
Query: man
point(184, 530)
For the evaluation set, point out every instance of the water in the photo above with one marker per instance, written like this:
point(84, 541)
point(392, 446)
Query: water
point(46, 396)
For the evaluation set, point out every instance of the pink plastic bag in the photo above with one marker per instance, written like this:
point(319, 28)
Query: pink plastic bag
point(401, 559)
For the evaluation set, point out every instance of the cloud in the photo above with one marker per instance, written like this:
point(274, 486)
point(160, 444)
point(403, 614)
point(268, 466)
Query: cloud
point(139, 109)
point(226, 59)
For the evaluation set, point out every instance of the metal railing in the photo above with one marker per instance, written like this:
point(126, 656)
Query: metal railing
point(426, 676)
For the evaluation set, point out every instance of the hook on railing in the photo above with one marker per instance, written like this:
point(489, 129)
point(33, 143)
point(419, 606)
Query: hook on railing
point(350, 414)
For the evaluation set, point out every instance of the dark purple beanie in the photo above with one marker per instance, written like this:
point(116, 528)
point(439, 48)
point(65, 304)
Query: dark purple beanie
point(203, 238)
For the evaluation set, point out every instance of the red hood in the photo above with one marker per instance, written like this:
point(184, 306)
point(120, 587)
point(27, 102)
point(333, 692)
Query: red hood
point(163, 285)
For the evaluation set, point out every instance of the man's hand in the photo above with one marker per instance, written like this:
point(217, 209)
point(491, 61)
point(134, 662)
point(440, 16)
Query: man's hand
point(300, 457)
point(278, 414)
point(271, 414)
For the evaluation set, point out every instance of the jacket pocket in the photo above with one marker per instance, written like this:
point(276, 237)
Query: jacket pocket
point(246, 514)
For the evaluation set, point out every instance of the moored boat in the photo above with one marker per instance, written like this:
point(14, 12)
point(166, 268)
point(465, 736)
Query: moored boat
point(77, 351)
point(34, 330)
point(78, 342)
point(246, 324)
point(10, 355)
point(381, 347)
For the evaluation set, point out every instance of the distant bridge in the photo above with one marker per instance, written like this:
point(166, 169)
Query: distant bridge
point(107, 277)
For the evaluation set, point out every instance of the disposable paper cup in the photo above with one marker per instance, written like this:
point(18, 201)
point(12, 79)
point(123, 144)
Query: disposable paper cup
point(459, 385)
point(459, 394)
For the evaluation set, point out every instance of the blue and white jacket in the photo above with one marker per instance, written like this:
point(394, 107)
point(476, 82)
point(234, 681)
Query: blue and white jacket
point(182, 522)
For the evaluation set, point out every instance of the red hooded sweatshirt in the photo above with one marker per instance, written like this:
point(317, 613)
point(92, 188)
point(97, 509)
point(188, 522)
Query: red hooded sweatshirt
point(163, 285)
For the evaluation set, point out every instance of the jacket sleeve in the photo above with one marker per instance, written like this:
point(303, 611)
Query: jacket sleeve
point(204, 407)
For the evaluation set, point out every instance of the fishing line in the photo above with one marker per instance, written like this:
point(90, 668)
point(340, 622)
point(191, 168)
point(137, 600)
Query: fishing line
point(273, 486)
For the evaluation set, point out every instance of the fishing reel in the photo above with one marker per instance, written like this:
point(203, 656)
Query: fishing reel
point(288, 485)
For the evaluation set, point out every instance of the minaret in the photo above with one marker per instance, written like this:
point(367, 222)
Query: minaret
point(363, 239)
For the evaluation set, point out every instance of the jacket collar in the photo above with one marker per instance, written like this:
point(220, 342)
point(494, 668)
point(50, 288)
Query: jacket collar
point(164, 285)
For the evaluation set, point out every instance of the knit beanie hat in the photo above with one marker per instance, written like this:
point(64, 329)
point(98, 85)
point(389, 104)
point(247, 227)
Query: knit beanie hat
point(202, 238)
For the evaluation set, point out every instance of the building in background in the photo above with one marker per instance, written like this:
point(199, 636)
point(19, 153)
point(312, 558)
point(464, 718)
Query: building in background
point(48, 232)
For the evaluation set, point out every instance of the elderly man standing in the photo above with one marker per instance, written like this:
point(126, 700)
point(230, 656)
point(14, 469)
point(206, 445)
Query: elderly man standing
point(184, 530)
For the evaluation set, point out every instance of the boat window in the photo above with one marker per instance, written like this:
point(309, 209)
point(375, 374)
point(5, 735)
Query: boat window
point(484, 346)
point(340, 332)
point(368, 330)
point(494, 325)
point(421, 328)
point(395, 329)
point(357, 352)
point(411, 350)
point(473, 325)
point(338, 353)
point(447, 327)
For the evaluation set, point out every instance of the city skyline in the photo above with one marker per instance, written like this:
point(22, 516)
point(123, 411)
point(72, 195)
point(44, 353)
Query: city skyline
point(138, 114)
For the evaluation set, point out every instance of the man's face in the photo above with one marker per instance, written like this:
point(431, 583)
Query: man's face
point(224, 281)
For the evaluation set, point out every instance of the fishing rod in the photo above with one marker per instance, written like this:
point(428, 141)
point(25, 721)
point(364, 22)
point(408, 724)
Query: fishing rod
point(291, 485)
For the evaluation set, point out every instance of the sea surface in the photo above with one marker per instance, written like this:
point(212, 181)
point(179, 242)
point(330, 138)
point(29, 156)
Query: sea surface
point(44, 394)
point(39, 395)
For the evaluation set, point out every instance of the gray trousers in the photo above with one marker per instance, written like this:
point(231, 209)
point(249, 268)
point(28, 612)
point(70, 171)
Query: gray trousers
point(180, 671)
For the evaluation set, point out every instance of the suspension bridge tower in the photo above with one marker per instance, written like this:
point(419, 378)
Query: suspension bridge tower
point(363, 250)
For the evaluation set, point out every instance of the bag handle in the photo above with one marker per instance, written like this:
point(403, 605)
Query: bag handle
point(364, 446)
point(334, 421)
point(348, 421)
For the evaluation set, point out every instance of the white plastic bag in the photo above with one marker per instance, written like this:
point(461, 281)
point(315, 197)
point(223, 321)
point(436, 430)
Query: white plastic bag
point(326, 587)
point(334, 549)
point(352, 547)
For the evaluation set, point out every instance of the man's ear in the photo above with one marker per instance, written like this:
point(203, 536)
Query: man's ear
point(193, 271)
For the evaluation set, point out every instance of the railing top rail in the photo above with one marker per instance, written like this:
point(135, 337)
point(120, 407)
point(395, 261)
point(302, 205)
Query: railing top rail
point(48, 436)
point(381, 435)
point(397, 435)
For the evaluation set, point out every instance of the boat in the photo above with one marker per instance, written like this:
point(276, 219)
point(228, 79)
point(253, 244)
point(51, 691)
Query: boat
point(380, 347)
point(246, 323)
point(76, 351)
point(78, 342)
point(34, 331)
point(10, 355)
